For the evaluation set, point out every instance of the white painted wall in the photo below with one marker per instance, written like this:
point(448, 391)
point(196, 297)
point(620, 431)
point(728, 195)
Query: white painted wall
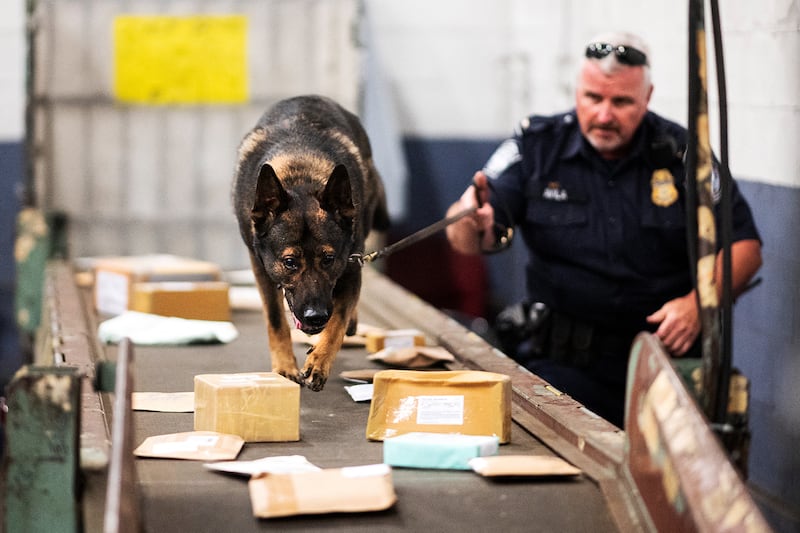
point(473, 68)
point(12, 70)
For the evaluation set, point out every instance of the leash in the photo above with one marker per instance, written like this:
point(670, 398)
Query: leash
point(415, 237)
point(503, 235)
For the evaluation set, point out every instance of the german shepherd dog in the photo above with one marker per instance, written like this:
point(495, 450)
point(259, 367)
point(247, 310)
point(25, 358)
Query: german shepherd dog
point(306, 194)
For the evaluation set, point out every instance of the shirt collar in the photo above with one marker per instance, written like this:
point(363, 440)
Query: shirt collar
point(574, 141)
point(576, 145)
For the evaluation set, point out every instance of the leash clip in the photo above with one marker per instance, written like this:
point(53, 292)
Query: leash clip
point(361, 260)
point(356, 258)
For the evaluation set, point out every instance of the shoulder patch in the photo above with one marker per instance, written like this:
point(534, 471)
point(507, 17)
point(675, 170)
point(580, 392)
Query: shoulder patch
point(503, 157)
point(716, 180)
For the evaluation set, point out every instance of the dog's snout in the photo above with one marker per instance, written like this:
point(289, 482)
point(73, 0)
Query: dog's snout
point(315, 317)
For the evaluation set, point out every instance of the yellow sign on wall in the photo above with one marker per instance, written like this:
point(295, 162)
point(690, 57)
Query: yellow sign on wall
point(180, 59)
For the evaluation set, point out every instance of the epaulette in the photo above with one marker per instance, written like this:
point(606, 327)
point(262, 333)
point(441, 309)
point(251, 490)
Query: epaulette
point(541, 123)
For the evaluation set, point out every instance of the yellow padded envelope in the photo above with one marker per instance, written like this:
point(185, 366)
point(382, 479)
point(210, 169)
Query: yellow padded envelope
point(467, 402)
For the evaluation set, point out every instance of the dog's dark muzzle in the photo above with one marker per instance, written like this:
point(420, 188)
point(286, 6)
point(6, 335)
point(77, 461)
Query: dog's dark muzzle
point(312, 320)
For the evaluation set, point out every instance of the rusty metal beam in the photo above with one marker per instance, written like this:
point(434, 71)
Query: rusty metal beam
point(67, 339)
point(673, 459)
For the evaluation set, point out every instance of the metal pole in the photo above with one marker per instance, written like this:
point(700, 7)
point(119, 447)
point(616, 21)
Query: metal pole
point(726, 219)
point(699, 168)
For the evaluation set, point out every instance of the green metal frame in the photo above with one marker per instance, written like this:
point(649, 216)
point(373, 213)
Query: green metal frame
point(43, 451)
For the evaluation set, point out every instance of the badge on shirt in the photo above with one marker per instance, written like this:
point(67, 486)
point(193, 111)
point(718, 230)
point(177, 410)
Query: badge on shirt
point(663, 191)
point(554, 192)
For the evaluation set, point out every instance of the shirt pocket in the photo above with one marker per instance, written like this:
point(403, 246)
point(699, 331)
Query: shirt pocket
point(662, 239)
point(558, 230)
point(554, 214)
point(556, 205)
point(666, 219)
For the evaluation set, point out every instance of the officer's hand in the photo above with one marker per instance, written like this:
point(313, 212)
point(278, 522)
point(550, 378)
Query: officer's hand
point(679, 324)
point(480, 187)
point(464, 235)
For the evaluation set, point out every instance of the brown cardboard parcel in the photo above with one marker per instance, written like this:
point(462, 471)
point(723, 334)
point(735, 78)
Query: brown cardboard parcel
point(345, 490)
point(259, 407)
point(192, 445)
point(377, 340)
point(468, 402)
point(202, 300)
point(114, 276)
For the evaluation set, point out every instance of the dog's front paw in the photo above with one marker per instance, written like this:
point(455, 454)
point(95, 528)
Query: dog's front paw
point(315, 379)
point(293, 374)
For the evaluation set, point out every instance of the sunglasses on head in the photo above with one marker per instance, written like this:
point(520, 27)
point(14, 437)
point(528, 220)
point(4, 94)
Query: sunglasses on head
point(625, 54)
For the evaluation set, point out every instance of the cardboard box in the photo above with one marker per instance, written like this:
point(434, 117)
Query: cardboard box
point(259, 407)
point(397, 338)
point(437, 450)
point(467, 402)
point(114, 277)
point(343, 490)
point(203, 300)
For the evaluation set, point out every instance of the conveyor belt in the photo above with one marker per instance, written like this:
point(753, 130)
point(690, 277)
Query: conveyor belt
point(183, 496)
point(669, 469)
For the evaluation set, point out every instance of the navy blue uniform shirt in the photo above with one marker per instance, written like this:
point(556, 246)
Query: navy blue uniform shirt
point(607, 239)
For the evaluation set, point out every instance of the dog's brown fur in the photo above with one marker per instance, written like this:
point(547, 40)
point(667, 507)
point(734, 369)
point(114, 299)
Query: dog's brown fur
point(306, 194)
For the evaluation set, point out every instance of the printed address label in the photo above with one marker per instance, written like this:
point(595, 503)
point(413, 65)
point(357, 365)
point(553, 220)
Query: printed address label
point(440, 410)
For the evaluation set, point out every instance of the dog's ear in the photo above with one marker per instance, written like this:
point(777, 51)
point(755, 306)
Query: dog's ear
point(271, 197)
point(338, 195)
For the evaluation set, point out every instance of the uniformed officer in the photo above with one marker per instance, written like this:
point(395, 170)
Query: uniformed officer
point(597, 194)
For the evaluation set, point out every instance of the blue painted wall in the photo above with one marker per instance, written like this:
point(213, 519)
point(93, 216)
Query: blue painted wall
point(767, 347)
point(766, 320)
point(439, 171)
point(11, 158)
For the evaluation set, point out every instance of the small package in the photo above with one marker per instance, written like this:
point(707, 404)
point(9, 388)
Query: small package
point(334, 490)
point(114, 277)
point(413, 356)
point(192, 445)
point(467, 402)
point(163, 402)
point(523, 466)
point(201, 300)
point(281, 464)
point(437, 450)
point(154, 330)
point(377, 340)
point(259, 407)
